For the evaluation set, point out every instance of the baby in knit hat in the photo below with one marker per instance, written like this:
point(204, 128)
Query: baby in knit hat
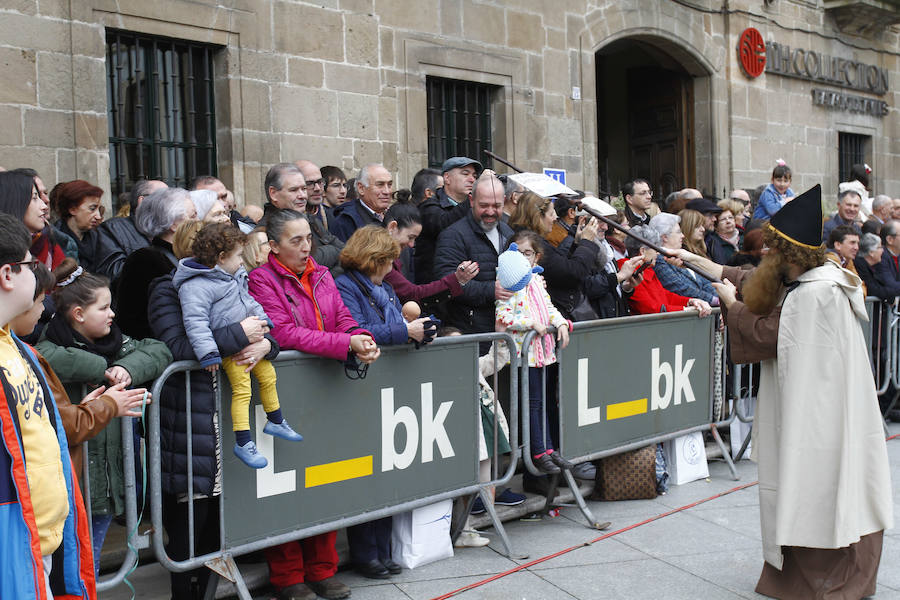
point(530, 308)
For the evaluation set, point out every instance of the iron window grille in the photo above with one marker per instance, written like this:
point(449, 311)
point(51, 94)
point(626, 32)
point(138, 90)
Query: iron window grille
point(459, 119)
point(851, 151)
point(161, 109)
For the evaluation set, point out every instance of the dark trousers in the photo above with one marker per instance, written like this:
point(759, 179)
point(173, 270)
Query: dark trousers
point(312, 559)
point(370, 541)
point(542, 382)
point(190, 585)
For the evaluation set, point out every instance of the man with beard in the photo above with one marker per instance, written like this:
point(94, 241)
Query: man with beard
point(824, 480)
point(480, 236)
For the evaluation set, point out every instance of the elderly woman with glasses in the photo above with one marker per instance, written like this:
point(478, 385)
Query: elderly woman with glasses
point(678, 279)
point(80, 214)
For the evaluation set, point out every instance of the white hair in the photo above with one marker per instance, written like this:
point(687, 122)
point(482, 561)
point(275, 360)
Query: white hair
point(160, 210)
point(664, 223)
point(363, 177)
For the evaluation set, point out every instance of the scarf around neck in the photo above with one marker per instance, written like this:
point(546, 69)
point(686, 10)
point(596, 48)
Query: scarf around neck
point(61, 333)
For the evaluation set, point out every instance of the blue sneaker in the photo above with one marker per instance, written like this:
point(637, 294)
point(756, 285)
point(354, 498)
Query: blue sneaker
point(477, 507)
point(282, 430)
point(509, 498)
point(250, 455)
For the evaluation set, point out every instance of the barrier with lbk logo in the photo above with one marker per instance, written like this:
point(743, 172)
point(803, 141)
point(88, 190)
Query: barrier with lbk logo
point(632, 379)
point(407, 431)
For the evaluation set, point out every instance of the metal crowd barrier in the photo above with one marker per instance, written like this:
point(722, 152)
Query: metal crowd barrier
point(579, 409)
point(135, 543)
point(605, 408)
point(234, 495)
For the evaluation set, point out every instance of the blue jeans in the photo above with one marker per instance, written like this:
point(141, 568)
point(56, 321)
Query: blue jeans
point(99, 527)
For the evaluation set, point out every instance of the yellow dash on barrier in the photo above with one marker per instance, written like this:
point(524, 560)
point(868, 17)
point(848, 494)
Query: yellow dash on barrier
point(620, 410)
point(341, 470)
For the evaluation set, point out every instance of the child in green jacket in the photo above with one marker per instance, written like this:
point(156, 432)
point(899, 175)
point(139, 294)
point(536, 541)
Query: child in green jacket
point(84, 346)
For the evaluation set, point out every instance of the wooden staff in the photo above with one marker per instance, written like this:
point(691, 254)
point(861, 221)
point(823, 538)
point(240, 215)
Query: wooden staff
point(613, 224)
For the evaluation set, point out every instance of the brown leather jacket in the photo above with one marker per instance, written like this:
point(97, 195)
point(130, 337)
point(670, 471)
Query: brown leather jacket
point(81, 421)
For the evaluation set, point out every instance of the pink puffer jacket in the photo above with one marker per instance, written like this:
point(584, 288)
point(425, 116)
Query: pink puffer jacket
point(293, 313)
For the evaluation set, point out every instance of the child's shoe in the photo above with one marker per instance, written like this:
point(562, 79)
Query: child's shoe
point(283, 431)
point(250, 455)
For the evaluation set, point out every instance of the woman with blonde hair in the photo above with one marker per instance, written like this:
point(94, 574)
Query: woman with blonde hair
point(693, 226)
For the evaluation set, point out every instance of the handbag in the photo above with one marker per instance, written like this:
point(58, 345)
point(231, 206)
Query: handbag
point(627, 476)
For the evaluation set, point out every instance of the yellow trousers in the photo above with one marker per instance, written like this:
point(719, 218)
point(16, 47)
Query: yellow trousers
point(240, 390)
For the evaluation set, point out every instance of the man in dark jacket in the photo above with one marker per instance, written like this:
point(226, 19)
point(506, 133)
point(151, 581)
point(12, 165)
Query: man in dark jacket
point(286, 188)
point(479, 236)
point(121, 232)
point(374, 187)
point(446, 207)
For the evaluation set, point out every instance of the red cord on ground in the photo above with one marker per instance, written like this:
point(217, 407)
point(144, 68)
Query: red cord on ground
point(602, 537)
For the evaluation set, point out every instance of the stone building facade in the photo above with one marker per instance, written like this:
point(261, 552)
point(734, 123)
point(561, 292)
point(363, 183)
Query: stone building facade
point(606, 89)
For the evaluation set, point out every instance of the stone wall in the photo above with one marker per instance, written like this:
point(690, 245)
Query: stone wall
point(343, 82)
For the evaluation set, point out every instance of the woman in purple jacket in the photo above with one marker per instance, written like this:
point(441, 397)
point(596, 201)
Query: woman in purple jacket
point(307, 314)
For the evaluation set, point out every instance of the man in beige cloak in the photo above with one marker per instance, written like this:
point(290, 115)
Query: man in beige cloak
point(824, 480)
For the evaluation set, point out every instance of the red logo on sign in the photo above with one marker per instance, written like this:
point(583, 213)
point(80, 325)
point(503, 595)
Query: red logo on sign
point(752, 52)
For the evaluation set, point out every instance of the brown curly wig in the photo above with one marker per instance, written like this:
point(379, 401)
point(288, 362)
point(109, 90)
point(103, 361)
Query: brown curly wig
point(762, 291)
point(215, 239)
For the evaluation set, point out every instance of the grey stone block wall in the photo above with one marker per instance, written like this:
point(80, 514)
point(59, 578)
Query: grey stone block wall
point(343, 82)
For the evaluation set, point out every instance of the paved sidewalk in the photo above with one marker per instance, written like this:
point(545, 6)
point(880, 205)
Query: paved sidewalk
point(711, 551)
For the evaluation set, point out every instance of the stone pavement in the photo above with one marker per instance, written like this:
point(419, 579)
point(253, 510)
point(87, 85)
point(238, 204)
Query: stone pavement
point(711, 551)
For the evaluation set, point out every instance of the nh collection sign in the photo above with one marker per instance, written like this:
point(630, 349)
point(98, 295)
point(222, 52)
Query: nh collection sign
point(757, 56)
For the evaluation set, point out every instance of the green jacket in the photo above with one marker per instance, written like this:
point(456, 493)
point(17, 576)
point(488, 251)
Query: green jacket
point(80, 370)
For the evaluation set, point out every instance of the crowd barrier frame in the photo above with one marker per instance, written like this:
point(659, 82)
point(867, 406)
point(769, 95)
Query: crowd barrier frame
point(222, 562)
point(717, 358)
point(135, 542)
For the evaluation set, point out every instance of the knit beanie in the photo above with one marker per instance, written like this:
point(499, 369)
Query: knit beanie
point(513, 269)
point(203, 201)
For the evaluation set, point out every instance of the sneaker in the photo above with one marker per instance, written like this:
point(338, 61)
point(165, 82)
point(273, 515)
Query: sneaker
point(545, 464)
point(330, 588)
point(250, 455)
point(585, 471)
point(477, 507)
point(509, 498)
point(282, 430)
point(560, 461)
point(471, 539)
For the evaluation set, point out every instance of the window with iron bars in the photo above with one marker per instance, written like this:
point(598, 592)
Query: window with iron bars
point(161, 109)
point(851, 151)
point(459, 119)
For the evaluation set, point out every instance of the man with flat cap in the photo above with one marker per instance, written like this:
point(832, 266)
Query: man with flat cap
point(824, 479)
point(446, 207)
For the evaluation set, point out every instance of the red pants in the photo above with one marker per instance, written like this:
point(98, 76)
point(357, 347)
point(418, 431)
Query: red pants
point(311, 559)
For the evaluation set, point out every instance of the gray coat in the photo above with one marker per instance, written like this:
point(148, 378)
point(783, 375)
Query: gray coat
point(211, 299)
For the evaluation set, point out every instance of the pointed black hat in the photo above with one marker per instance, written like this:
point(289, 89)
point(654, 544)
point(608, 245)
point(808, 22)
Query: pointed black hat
point(800, 220)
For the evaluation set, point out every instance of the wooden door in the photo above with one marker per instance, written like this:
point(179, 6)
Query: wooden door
point(660, 128)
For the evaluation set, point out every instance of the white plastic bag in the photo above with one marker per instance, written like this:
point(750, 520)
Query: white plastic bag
point(422, 536)
point(686, 458)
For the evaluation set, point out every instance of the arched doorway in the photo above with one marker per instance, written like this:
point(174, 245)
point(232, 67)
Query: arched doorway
point(646, 113)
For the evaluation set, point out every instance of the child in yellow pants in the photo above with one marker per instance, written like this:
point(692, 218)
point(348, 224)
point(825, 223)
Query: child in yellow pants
point(212, 288)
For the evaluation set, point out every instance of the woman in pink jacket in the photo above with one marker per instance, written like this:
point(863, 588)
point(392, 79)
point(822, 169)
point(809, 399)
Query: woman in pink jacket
point(307, 313)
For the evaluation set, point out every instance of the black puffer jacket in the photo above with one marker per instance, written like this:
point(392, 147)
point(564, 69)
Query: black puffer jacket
point(473, 311)
point(438, 213)
point(95, 251)
point(167, 324)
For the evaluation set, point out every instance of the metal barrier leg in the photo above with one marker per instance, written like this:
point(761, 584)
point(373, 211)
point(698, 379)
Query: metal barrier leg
point(225, 567)
point(725, 453)
point(498, 524)
point(579, 500)
point(744, 445)
point(212, 585)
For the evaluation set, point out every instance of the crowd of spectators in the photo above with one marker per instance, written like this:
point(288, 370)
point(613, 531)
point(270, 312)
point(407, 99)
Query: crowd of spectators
point(338, 268)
